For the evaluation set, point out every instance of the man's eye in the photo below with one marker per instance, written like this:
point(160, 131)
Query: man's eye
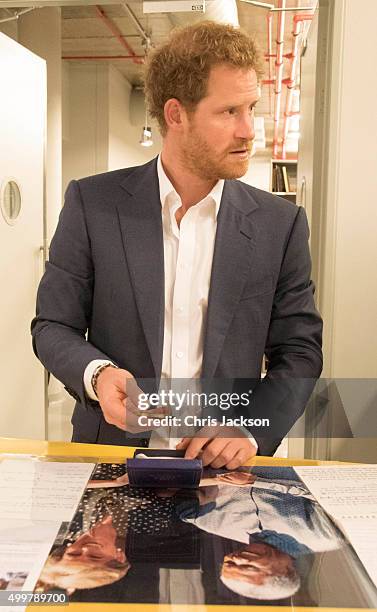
point(231, 111)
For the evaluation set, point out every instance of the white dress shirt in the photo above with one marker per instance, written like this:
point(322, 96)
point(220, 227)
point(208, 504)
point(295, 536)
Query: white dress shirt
point(188, 254)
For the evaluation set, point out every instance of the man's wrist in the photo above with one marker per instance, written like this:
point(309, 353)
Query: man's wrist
point(251, 438)
point(97, 372)
point(90, 370)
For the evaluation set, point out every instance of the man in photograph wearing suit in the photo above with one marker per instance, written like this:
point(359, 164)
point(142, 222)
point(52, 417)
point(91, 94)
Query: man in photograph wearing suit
point(276, 520)
point(175, 270)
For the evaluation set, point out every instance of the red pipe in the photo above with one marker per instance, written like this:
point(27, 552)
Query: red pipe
point(269, 55)
point(297, 19)
point(117, 33)
point(279, 74)
point(303, 17)
point(287, 55)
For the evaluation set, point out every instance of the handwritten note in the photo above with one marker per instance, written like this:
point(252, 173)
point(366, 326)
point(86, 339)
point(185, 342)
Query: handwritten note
point(349, 495)
point(41, 491)
point(348, 491)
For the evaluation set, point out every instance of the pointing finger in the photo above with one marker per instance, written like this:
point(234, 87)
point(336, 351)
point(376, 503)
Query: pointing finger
point(194, 447)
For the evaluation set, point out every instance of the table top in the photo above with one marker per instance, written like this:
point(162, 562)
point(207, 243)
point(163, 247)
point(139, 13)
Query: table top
point(110, 454)
point(106, 453)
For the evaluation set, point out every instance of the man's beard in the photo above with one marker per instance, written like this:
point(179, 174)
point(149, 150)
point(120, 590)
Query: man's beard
point(201, 161)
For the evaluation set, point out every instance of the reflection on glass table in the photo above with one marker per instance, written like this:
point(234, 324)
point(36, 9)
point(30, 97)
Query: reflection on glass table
point(256, 536)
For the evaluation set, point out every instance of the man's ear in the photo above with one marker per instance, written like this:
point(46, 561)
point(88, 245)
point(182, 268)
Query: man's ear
point(173, 113)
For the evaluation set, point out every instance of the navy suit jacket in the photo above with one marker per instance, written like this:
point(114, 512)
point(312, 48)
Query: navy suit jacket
point(102, 296)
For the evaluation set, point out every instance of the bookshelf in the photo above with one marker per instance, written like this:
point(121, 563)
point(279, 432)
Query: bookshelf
point(284, 178)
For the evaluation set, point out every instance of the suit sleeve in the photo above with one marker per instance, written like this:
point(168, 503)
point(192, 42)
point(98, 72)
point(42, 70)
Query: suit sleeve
point(293, 345)
point(64, 300)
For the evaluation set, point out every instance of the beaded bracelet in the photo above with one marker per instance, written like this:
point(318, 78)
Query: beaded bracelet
point(98, 371)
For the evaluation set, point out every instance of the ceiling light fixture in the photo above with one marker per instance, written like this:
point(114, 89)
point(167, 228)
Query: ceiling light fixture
point(146, 139)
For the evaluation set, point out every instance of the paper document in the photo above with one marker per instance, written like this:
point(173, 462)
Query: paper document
point(41, 491)
point(24, 547)
point(36, 497)
point(349, 495)
point(362, 535)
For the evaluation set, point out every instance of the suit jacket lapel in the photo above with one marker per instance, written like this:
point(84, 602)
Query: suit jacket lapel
point(235, 237)
point(141, 226)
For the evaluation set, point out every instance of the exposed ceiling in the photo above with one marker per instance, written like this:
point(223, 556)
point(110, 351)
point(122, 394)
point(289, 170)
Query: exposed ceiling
point(86, 35)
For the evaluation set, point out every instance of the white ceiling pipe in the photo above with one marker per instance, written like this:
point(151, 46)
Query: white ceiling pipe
point(297, 21)
point(279, 63)
point(18, 14)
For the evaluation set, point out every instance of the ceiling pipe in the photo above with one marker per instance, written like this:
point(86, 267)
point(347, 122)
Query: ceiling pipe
point(279, 75)
point(287, 55)
point(17, 15)
point(291, 9)
point(269, 54)
point(102, 57)
point(136, 23)
point(291, 81)
point(117, 33)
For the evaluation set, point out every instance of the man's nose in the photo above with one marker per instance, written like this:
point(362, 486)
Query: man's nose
point(245, 127)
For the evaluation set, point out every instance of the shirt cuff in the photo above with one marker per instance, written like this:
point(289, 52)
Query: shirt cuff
point(88, 375)
point(251, 438)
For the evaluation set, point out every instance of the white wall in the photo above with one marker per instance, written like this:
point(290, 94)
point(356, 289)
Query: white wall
point(347, 225)
point(97, 132)
point(85, 113)
point(124, 148)
point(355, 316)
point(349, 293)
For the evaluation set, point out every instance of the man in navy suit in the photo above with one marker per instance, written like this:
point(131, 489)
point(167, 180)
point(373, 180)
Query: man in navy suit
point(175, 270)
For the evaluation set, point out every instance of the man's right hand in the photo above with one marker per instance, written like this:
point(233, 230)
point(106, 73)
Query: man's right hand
point(118, 395)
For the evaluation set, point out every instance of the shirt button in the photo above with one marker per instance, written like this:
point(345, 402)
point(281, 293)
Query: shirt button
point(179, 354)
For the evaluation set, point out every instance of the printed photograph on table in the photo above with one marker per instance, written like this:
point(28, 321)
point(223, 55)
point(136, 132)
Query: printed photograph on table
point(255, 536)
